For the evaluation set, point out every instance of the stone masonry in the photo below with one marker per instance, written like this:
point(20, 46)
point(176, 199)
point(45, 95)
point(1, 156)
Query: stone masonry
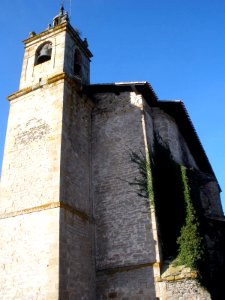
point(72, 224)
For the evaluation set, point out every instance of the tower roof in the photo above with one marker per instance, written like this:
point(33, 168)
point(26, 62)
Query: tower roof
point(61, 17)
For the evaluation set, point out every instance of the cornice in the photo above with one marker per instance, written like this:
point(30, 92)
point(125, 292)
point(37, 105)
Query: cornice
point(65, 26)
point(51, 80)
point(51, 205)
point(60, 28)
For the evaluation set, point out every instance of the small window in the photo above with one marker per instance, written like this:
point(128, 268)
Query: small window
point(77, 63)
point(43, 53)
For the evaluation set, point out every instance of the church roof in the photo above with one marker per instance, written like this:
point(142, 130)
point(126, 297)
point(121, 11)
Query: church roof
point(174, 108)
point(178, 111)
point(142, 87)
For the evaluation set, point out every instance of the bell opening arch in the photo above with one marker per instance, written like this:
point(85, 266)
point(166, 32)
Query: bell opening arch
point(43, 53)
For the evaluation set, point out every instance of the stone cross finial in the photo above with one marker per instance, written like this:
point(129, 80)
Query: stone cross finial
point(61, 11)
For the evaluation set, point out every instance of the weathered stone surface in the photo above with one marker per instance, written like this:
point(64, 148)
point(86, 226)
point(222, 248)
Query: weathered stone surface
point(46, 213)
point(33, 74)
point(76, 151)
point(169, 133)
point(123, 222)
point(64, 43)
point(183, 290)
point(72, 225)
point(77, 260)
point(134, 284)
point(29, 256)
point(30, 172)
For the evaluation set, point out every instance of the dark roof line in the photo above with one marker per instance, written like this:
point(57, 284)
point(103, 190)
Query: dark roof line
point(142, 87)
point(174, 108)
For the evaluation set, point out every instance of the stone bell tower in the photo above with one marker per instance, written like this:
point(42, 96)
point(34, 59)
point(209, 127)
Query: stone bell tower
point(95, 183)
point(45, 213)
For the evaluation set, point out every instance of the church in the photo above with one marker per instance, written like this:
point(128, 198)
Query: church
point(106, 191)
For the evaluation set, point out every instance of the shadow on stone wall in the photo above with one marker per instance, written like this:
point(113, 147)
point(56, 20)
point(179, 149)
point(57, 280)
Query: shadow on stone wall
point(171, 213)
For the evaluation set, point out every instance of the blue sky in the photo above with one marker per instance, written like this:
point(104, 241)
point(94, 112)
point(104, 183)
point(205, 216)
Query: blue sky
point(176, 45)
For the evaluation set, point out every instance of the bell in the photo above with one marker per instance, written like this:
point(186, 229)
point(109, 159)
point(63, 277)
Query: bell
point(44, 55)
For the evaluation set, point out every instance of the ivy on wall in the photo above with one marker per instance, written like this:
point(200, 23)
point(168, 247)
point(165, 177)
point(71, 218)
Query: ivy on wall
point(144, 180)
point(190, 241)
point(173, 191)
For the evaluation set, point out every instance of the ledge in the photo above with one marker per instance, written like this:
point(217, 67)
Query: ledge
point(64, 26)
point(50, 80)
point(121, 269)
point(61, 27)
point(82, 215)
point(175, 273)
point(20, 93)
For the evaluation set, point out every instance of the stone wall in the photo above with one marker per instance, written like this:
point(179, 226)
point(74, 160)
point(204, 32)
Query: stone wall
point(210, 196)
point(126, 284)
point(29, 256)
point(77, 257)
point(169, 134)
point(77, 234)
point(124, 235)
point(33, 74)
point(31, 166)
point(29, 219)
point(71, 45)
point(47, 169)
point(76, 151)
point(186, 289)
point(67, 182)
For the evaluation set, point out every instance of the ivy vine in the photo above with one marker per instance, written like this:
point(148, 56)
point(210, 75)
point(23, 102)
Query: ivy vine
point(172, 190)
point(144, 180)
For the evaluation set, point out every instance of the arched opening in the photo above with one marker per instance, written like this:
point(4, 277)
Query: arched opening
point(77, 63)
point(43, 53)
